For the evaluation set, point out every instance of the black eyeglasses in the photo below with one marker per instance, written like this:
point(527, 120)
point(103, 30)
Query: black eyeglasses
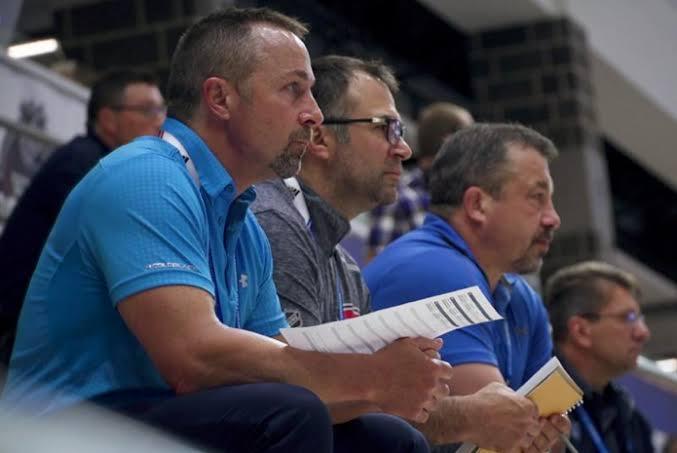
point(630, 317)
point(149, 111)
point(394, 128)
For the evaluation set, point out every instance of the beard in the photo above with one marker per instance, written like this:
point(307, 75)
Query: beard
point(532, 259)
point(288, 162)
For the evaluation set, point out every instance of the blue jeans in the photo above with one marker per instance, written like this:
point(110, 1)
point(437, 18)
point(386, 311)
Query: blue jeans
point(266, 417)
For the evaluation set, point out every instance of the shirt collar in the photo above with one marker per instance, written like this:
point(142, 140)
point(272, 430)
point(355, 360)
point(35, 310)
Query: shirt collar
point(327, 225)
point(214, 178)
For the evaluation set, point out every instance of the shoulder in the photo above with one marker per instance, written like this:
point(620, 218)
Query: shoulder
point(145, 173)
point(416, 266)
point(522, 290)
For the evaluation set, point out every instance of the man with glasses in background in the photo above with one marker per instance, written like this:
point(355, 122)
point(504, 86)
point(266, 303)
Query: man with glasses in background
point(599, 332)
point(123, 105)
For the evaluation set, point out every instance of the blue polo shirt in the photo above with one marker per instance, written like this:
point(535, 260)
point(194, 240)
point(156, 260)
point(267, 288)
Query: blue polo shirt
point(435, 259)
point(137, 221)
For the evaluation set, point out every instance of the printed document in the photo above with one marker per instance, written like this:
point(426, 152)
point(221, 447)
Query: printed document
point(430, 318)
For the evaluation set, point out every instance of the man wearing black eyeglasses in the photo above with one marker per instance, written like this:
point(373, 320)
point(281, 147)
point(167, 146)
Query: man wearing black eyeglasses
point(123, 105)
point(599, 332)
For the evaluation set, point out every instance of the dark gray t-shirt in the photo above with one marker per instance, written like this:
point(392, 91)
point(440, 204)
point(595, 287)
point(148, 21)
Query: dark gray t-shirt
point(313, 274)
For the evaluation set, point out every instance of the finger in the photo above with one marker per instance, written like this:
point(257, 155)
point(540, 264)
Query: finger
point(446, 370)
point(421, 416)
point(533, 430)
point(432, 353)
point(561, 423)
point(427, 343)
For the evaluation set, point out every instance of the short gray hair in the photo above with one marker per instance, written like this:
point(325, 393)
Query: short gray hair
point(582, 288)
point(477, 156)
point(219, 44)
point(333, 74)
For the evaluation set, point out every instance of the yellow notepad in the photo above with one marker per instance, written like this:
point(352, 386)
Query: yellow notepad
point(553, 391)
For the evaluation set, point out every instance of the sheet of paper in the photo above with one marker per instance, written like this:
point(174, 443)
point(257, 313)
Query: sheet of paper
point(430, 317)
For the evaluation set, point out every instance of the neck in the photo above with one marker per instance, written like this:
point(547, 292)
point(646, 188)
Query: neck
point(344, 201)
point(236, 161)
point(586, 367)
point(106, 139)
point(483, 254)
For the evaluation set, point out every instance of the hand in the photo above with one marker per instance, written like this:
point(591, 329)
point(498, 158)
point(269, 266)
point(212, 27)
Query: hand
point(503, 420)
point(551, 429)
point(411, 379)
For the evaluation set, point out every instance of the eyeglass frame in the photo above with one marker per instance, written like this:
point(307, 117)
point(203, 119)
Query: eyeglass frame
point(147, 111)
point(631, 318)
point(397, 131)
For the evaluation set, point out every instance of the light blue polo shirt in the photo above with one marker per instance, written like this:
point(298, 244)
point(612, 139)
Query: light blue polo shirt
point(137, 221)
point(435, 259)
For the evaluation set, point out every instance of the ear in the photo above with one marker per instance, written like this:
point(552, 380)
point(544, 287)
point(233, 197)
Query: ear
point(475, 204)
point(219, 96)
point(579, 332)
point(106, 121)
point(322, 142)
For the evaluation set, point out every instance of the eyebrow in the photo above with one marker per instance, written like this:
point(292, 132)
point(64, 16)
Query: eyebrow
point(302, 74)
point(542, 184)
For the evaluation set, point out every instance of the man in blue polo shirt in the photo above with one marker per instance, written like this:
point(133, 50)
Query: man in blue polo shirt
point(154, 293)
point(491, 217)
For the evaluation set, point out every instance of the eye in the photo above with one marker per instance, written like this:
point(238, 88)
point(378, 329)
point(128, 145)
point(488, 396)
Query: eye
point(294, 88)
point(539, 197)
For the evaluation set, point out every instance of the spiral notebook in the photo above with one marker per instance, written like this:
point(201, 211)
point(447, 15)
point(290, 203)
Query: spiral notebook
point(553, 391)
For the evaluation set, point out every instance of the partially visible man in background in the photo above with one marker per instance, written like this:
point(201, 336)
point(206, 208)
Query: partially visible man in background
point(599, 331)
point(123, 105)
point(389, 221)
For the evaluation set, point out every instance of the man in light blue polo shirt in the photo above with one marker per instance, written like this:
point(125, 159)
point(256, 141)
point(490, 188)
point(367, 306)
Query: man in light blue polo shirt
point(154, 294)
point(491, 217)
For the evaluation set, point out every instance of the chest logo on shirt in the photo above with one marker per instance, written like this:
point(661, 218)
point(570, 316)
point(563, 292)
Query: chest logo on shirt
point(244, 280)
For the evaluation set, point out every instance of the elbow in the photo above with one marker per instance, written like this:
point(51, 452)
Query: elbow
point(186, 376)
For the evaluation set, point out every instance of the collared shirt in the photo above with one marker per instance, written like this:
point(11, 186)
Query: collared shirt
point(615, 419)
point(390, 221)
point(316, 278)
point(435, 259)
point(137, 221)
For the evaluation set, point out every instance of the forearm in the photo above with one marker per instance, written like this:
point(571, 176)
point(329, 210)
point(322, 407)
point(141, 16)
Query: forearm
point(245, 357)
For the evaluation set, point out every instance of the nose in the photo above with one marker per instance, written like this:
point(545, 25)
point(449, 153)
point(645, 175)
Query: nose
point(551, 219)
point(402, 149)
point(311, 114)
point(641, 331)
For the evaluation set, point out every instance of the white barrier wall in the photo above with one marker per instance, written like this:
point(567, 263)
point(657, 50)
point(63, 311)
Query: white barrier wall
point(36, 98)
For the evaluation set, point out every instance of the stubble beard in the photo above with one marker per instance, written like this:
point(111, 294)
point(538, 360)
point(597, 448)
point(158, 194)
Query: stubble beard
point(288, 162)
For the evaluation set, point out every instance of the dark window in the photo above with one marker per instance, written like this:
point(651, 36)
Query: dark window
point(645, 212)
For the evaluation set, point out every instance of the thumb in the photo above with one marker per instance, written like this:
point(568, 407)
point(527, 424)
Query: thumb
point(427, 343)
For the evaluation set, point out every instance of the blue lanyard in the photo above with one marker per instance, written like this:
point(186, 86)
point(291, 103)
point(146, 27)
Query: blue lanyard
point(588, 425)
